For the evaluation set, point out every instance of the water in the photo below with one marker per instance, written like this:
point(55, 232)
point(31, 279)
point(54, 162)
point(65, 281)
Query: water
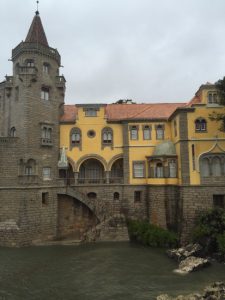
point(103, 271)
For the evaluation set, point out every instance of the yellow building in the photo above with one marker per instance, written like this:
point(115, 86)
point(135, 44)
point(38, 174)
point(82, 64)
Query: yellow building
point(157, 159)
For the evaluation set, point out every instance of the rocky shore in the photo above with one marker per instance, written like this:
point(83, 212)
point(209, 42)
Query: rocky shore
point(188, 258)
point(215, 291)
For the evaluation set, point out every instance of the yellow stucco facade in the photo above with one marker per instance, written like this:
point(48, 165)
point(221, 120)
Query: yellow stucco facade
point(142, 155)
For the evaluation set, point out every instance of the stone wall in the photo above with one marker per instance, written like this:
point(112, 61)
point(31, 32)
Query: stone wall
point(36, 219)
point(195, 199)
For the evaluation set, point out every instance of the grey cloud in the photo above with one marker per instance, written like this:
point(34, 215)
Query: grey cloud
point(146, 50)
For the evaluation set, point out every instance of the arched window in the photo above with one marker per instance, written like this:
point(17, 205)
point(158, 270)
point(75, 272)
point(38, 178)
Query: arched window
point(116, 196)
point(46, 68)
point(107, 136)
point(75, 137)
point(159, 170)
point(205, 167)
point(200, 125)
point(159, 132)
point(92, 195)
point(46, 135)
point(172, 169)
point(13, 132)
point(30, 63)
point(216, 166)
point(30, 167)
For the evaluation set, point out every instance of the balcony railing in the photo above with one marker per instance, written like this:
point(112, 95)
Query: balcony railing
point(87, 181)
point(60, 81)
point(46, 142)
point(27, 70)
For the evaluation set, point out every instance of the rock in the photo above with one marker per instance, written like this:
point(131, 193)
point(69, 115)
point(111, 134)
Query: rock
point(191, 264)
point(163, 297)
point(215, 291)
point(184, 252)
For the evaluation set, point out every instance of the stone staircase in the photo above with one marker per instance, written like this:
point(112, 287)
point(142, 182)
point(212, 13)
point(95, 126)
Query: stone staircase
point(112, 229)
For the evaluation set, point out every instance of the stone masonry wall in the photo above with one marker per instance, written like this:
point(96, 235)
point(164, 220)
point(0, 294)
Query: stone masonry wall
point(195, 199)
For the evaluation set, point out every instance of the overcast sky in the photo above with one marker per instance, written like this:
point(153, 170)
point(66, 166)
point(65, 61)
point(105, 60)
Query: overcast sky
point(145, 50)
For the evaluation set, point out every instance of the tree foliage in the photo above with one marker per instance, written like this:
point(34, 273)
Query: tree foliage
point(215, 116)
point(209, 230)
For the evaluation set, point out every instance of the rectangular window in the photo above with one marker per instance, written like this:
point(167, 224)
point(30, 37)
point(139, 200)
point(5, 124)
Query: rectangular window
point(139, 169)
point(46, 173)
point(137, 196)
point(218, 201)
point(45, 68)
point(147, 132)
point(45, 94)
point(159, 132)
point(133, 133)
point(90, 112)
point(28, 171)
point(44, 198)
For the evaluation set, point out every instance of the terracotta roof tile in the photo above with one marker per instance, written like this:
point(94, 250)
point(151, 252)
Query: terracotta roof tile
point(118, 112)
point(194, 100)
point(70, 113)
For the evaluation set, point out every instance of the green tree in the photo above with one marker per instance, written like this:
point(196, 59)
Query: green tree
point(215, 116)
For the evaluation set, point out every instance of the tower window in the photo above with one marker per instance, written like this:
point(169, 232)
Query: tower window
point(46, 173)
point(46, 68)
point(44, 198)
point(13, 132)
point(30, 63)
point(46, 135)
point(45, 93)
point(28, 171)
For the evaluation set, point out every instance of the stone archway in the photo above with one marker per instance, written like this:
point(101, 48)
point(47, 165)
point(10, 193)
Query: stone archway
point(75, 218)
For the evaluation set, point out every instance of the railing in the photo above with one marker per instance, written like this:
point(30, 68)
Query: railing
point(116, 180)
point(8, 140)
point(9, 82)
point(91, 180)
point(27, 70)
point(46, 142)
point(80, 181)
point(60, 81)
point(34, 47)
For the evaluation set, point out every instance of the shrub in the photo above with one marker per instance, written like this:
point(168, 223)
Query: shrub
point(209, 230)
point(221, 243)
point(151, 235)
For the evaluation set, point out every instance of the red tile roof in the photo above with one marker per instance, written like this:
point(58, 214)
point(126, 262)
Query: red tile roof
point(70, 113)
point(36, 33)
point(120, 112)
point(195, 100)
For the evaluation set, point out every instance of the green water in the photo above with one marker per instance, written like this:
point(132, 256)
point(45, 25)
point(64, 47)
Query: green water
point(102, 271)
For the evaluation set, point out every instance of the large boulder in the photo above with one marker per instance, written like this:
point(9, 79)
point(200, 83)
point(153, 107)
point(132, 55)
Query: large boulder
point(184, 252)
point(191, 264)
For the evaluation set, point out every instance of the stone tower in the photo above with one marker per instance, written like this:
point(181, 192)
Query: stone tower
point(37, 104)
point(31, 102)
